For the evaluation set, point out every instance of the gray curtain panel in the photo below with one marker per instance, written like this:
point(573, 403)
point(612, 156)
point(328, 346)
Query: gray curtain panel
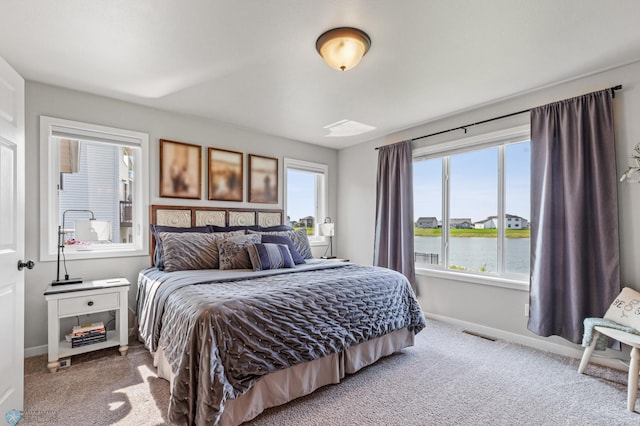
point(575, 270)
point(393, 247)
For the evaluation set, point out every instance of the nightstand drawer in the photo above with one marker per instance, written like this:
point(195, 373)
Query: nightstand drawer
point(86, 304)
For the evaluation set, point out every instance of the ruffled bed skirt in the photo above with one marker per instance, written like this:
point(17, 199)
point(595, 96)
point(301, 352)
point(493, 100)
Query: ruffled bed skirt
point(283, 386)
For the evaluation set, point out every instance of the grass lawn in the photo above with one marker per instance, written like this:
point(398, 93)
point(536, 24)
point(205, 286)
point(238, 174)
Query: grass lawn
point(309, 230)
point(486, 233)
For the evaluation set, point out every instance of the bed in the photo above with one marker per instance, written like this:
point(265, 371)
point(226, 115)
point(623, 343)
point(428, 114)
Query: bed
point(235, 341)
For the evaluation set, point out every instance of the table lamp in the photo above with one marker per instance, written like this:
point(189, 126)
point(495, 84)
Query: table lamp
point(85, 230)
point(328, 229)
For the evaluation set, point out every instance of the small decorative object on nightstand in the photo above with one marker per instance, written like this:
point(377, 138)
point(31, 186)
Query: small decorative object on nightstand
point(85, 298)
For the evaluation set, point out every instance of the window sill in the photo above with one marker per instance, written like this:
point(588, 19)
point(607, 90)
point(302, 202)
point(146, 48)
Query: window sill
point(510, 283)
point(96, 254)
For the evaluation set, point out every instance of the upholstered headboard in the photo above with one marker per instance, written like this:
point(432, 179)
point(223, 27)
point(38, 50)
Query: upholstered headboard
point(188, 216)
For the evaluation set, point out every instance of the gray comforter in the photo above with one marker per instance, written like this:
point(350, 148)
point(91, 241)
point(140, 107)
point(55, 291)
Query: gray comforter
point(222, 330)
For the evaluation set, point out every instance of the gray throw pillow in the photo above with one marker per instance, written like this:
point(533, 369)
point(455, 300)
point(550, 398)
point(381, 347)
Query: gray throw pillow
point(233, 251)
point(192, 250)
point(158, 254)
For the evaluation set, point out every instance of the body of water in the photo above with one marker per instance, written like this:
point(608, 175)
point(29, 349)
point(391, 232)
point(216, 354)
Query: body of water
point(479, 254)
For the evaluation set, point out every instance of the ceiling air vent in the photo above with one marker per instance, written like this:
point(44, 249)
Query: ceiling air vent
point(347, 128)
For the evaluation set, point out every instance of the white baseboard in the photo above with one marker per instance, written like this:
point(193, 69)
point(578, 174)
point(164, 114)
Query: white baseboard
point(536, 343)
point(35, 351)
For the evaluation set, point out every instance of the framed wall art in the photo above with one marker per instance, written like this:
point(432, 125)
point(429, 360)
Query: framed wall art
point(180, 169)
point(225, 174)
point(263, 179)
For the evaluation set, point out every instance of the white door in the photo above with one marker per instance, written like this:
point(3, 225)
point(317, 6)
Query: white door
point(11, 242)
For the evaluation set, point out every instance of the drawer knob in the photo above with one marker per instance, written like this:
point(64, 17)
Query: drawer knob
point(90, 303)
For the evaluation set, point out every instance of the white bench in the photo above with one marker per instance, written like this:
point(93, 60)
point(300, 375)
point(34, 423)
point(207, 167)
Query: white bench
point(632, 340)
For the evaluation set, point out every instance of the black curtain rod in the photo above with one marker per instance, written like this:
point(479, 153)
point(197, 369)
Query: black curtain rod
point(613, 89)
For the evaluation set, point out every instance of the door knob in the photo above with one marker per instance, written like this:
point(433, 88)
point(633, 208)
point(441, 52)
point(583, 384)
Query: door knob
point(29, 264)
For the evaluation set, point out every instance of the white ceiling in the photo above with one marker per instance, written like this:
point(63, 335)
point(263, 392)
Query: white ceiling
point(253, 63)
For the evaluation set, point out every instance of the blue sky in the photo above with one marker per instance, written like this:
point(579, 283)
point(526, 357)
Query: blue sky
point(300, 194)
point(474, 183)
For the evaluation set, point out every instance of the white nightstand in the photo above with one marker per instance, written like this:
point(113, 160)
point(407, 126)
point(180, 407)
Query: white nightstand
point(88, 297)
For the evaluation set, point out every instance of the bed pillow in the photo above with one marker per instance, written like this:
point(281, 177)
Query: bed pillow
point(281, 239)
point(233, 251)
point(216, 228)
point(270, 256)
point(275, 228)
point(158, 255)
point(192, 250)
point(299, 238)
point(186, 251)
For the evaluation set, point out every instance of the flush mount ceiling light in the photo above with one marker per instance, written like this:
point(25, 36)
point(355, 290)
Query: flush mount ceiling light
point(343, 48)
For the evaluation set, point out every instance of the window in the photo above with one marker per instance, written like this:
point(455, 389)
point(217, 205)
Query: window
point(471, 205)
point(306, 196)
point(92, 172)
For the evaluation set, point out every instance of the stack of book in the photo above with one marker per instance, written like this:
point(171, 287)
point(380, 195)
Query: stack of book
point(88, 334)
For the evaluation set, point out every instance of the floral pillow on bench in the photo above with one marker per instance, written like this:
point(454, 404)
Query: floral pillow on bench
point(625, 309)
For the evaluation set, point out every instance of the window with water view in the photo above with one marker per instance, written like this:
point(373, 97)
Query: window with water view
point(471, 210)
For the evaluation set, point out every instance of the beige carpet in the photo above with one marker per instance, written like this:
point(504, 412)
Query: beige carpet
point(448, 378)
point(99, 388)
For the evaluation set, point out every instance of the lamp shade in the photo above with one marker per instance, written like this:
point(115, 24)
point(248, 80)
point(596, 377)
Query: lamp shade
point(92, 230)
point(327, 229)
point(343, 48)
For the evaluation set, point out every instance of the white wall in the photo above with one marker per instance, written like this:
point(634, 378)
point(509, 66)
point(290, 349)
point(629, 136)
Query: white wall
point(501, 309)
point(67, 104)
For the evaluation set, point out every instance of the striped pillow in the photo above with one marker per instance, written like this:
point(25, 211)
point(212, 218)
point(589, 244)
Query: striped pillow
point(281, 239)
point(299, 238)
point(270, 256)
